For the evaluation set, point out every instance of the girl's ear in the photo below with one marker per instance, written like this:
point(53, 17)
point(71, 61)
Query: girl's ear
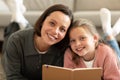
point(96, 37)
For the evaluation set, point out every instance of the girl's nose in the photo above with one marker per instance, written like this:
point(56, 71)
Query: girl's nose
point(78, 43)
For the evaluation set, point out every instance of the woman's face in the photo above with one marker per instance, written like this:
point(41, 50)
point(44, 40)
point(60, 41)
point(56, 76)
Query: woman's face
point(54, 27)
point(82, 42)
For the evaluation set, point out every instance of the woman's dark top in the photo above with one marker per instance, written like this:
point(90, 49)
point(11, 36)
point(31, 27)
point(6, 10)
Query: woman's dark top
point(23, 62)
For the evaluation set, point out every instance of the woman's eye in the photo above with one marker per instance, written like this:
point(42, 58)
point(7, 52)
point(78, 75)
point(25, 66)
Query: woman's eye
point(62, 30)
point(52, 23)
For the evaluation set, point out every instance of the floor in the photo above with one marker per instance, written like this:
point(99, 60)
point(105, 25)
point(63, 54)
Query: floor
point(2, 75)
point(1, 69)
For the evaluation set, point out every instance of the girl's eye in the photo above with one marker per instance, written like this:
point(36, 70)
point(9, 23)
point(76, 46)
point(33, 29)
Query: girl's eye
point(82, 38)
point(71, 41)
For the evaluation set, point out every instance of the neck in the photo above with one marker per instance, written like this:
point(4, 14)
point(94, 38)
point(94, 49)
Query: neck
point(40, 44)
point(89, 56)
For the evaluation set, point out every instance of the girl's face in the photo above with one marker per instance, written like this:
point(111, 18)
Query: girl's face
point(54, 27)
point(82, 42)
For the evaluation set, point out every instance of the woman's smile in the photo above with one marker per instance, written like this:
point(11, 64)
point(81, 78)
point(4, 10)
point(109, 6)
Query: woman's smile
point(53, 38)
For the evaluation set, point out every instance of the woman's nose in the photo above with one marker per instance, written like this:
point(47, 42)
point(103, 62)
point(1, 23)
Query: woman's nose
point(56, 30)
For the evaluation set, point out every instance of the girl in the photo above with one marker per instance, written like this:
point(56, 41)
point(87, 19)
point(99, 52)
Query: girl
point(87, 50)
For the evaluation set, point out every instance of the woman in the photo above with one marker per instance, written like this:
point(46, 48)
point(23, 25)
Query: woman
point(27, 50)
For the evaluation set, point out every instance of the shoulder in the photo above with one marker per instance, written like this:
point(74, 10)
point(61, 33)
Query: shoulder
point(21, 36)
point(22, 33)
point(105, 55)
point(104, 50)
point(104, 47)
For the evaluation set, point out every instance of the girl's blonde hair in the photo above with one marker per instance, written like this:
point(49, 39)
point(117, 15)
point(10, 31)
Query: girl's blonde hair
point(87, 25)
